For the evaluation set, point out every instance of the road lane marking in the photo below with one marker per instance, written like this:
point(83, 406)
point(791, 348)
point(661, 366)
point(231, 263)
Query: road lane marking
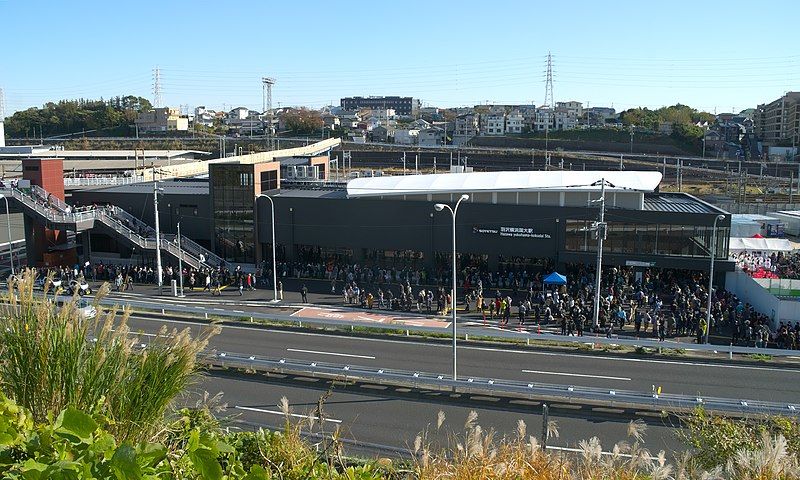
point(295, 415)
point(300, 350)
point(465, 347)
point(564, 374)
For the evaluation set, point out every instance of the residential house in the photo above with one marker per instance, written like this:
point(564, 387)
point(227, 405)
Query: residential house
point(161, 120)
point(514, 123)
point(406, 136)
point(420, 124)
point(431, 137)
point(545, 119)
point(565, 118)
point(244, 120)
point(465, 127)
point(349, 120)
point(331, 121)
point(379, 134)
point(204, 117)
point(573, 107)
point(599, 116)
point(495, 124)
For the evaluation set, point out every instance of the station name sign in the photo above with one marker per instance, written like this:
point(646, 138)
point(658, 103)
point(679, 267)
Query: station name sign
point(514, 232)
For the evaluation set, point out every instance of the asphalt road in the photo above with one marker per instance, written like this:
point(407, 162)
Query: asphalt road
point(370, 418)
point(621, 372)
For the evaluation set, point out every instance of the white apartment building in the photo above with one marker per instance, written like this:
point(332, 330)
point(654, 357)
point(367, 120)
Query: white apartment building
point(514, 122)
point(544, 119)
point(565, 119)
point(203, 116)
point(495, 124)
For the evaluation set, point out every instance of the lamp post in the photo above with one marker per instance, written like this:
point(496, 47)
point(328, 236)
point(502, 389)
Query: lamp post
point(10, 246)
point(713, 252)
point(453, 211)
point(159, 270)
point(274, 261)
point(180, 260)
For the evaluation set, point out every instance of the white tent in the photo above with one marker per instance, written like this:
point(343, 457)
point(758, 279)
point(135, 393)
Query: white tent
point(747, 244)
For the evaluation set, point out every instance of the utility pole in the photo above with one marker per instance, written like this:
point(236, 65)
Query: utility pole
point(600, 231)
point(631, 139)
point(404, 163)
point(158, 235)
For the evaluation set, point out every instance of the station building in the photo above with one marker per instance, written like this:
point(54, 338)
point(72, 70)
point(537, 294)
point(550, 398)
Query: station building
point(526, 219)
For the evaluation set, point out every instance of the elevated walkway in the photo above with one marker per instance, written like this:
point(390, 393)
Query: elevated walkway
point(57, 215)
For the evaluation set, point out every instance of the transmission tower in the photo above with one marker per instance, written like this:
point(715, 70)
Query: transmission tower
point(266, 105)
point(548, 84)
point(157, 87)
point(549, 103)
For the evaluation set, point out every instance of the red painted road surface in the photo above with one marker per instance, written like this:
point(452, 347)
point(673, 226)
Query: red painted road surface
point(368, 317)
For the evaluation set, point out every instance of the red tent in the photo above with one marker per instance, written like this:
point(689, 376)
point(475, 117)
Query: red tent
point(757, 235)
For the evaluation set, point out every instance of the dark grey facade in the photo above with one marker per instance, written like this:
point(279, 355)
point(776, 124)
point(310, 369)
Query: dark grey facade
point(672, 231)
point(186, 202)
point(401, 105)
point(360, 229)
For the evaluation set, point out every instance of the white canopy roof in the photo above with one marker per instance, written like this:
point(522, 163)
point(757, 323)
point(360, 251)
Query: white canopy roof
point(740, 244)
point(573, 181)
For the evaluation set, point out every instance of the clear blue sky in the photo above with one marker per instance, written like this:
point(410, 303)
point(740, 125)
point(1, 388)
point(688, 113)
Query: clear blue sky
point(711, 55)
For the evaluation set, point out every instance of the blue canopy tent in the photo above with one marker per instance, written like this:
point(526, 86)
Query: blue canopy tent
point(555, 278)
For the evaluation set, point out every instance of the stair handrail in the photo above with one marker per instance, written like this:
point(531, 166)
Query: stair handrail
point(189, 245)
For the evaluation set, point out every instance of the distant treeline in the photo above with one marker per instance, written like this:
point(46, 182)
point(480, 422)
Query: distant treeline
point(113, 116)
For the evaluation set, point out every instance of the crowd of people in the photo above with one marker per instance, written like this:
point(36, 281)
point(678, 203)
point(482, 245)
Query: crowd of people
point(657, 303)
point(769, 265)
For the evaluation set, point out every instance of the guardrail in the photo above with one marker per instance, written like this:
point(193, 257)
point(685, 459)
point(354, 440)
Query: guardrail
point(466, 331)
point(501, 387)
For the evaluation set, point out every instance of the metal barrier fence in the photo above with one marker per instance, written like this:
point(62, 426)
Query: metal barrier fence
point(465, 331)
point(501, 387)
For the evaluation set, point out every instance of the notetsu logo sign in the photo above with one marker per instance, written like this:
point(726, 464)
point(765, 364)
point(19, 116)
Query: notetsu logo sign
point(514, 232)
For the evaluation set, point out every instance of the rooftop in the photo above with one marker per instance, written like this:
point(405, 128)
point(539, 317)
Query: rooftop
point(107, 154)
point(678, 203)
point(169, 188)
point(530, 181)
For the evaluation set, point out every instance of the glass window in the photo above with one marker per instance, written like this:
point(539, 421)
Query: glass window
point(648, 239)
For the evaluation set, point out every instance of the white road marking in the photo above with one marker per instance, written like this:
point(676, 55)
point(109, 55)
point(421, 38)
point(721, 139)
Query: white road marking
point(295, 415)
point(486, 349)
point(299, 350)
point(564, 374)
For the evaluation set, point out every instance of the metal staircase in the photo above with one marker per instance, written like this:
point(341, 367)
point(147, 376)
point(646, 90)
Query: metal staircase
point(57, 215)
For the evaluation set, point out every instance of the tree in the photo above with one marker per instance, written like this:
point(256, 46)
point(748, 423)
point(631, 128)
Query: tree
point(303, 121)
point(74, 116)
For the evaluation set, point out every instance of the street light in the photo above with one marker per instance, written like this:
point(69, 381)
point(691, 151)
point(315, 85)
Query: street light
point(274, 261)
point(453, 211)
point(712, 251)
point(180, 259)
point(10, 246)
